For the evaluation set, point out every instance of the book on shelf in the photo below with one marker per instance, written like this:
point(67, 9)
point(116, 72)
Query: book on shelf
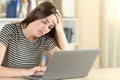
point(12, 8)
point(68, 33)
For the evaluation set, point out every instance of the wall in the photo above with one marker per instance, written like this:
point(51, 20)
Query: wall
point(88, 14)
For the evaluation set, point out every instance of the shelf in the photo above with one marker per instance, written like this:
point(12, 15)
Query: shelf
point(71, 24)
point(10, 19)
point(4, 21)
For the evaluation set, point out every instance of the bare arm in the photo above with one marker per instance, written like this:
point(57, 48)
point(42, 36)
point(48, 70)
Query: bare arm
point(11, 72)
point(60, 35)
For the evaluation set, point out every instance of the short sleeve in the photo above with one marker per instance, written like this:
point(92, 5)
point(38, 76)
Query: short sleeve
point(5, 34)
point(50, 43)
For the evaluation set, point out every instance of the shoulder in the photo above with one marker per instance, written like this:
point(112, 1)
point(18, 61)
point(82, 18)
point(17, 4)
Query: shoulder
point(10, 27)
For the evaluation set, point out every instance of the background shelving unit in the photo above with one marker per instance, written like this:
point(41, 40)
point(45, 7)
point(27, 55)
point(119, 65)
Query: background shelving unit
point(69, 21)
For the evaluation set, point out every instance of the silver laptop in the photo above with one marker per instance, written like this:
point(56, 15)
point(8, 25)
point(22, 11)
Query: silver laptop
point(68, 64)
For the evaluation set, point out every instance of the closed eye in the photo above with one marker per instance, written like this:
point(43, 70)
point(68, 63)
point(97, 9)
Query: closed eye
point(51, 26)
point(45, 22)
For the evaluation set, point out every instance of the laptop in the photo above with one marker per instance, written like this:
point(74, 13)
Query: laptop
point(68, 64)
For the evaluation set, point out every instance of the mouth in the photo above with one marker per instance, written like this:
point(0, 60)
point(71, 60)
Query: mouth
point(41, 33)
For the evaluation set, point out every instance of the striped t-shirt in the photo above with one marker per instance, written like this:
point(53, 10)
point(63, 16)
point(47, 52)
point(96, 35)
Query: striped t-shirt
point(21, 53)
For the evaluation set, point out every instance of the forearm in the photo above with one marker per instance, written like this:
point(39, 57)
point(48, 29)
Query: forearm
point(61, 39)
point(60, 35)
point(10, 72)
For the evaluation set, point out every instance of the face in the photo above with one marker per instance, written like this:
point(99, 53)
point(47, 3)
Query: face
point(44, 26)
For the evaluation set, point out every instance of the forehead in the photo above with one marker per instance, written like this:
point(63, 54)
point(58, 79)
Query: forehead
point(51, 17)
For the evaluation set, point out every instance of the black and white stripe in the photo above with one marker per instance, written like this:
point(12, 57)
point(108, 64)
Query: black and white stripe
point(22, 53)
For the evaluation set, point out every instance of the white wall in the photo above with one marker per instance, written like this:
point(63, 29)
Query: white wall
point(88, 14)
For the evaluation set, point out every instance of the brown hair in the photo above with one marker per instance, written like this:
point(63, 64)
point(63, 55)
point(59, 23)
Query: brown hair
point(43, 10)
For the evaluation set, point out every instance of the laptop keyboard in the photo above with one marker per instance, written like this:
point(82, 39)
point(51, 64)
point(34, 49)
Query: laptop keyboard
point(34, 77)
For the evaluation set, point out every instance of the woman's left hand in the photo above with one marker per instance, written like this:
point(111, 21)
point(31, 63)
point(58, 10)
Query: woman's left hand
point(58, 23)
point(60, 35)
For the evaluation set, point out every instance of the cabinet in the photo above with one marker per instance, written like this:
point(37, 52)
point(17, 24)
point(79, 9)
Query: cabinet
point(71, 24)
point(70, 27)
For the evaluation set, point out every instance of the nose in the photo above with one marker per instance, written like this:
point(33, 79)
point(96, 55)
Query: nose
point(45, 29)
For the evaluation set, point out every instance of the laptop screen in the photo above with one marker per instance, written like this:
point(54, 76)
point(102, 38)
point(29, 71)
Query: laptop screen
point(69, 64)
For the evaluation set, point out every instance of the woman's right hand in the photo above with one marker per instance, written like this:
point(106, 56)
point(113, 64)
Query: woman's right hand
point(33, 71)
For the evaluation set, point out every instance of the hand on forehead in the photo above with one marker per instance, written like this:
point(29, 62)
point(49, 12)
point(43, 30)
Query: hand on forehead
point(58, 16)
point(54, 18)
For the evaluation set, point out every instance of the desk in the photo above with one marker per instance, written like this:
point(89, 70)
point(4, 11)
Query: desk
point(97, 74)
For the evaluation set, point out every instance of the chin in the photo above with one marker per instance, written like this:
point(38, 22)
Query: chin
point(39, 36)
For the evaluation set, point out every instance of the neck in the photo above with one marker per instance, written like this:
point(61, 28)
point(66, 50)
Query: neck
point(27, 33)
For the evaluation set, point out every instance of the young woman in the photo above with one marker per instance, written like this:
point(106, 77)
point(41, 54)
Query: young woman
point(21, 44)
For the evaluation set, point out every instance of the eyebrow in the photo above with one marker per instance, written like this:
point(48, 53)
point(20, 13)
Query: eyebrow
point(49, 21)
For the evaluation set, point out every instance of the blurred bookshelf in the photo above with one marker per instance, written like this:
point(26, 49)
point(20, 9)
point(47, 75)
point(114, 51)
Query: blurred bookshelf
point(21, 6)
point(70, 27)
point(70, 23)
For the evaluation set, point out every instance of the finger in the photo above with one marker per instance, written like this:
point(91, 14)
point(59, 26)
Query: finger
point(57, 17)
point(37, 68)
point(43, 69)
point(58, 13)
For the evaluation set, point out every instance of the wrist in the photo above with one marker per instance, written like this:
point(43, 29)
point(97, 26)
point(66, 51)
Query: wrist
point(25, 72)
point(59, 29)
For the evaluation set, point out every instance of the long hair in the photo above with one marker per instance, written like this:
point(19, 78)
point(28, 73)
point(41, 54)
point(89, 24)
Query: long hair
point(43, 10)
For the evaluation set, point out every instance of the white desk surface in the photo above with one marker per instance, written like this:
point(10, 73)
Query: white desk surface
point(96, 74)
